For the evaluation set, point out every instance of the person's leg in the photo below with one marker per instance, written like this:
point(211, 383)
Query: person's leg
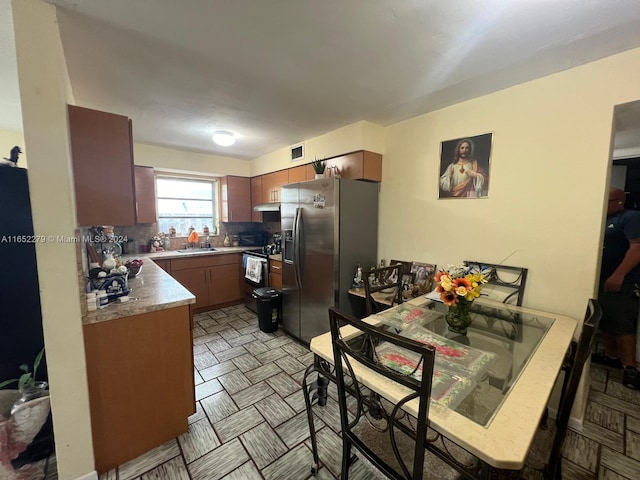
point(626, 347)
point(610, 345)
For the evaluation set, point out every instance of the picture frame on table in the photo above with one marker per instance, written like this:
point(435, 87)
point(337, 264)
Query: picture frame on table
point(424, 273)
point(464, 167)
point(406, 283)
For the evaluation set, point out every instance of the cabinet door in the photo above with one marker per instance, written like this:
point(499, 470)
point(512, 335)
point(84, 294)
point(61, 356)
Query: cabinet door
point(271, 184)
point(236, 199)
point(145, 195)
point(141, 388)
point(310, 173)
point(275, 274)
point(256, 197)
point(163, 264)
point(224, 284)
point(360, 165)
point(196, 281)
point(298, 174)
point(101, 150)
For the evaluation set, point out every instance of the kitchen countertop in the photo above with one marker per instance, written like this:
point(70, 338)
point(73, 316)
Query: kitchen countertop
point(153, 289)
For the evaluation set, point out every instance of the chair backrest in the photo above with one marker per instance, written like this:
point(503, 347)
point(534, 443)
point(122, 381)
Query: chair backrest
point(582, 353)
point(362, 354)
point(509, 280)
point(386, 283)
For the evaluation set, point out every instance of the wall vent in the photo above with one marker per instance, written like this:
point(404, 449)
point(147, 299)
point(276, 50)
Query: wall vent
point(297, 152)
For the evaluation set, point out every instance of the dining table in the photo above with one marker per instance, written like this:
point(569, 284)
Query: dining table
point(504, 370)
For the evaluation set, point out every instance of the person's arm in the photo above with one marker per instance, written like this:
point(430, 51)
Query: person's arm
point(630, 260)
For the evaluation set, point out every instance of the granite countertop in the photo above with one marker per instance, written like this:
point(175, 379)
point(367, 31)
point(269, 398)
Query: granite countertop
point(277, 257)
point(153, 289)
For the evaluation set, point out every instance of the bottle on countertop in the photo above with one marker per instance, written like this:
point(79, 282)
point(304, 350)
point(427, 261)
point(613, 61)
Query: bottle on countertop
point(227, 240)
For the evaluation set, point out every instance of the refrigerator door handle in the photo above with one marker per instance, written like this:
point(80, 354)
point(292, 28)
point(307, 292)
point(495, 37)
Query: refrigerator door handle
point(296, 246)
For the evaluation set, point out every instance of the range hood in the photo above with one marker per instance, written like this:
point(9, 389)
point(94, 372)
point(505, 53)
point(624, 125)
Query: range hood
point(267, 207)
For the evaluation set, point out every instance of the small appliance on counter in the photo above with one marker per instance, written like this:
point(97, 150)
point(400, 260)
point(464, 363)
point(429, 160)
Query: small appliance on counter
point(277, 240)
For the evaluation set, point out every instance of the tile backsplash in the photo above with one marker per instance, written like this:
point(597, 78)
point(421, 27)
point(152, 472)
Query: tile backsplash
point(138, 236)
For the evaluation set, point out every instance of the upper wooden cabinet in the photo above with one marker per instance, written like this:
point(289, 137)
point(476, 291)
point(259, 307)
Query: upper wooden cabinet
point(102, 157)
point(145, 195)
point(256, 197)
point(271, 184)
point(360, 165)
point(298, 174)
point(236, 199)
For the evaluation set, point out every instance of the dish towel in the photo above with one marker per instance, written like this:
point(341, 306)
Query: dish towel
point(254, 269)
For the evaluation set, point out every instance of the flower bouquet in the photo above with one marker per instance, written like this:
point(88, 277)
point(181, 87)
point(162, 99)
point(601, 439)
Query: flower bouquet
point(459, 285)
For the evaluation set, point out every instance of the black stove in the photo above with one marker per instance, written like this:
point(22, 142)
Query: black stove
point(256, 252)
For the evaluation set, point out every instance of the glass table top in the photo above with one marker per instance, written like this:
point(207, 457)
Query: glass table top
point(487, 360)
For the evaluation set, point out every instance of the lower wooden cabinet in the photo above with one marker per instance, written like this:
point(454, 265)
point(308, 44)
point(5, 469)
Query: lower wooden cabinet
point(215, 280)
point(163, 264)
point(196, 280)
point(141, 386)
point(275, 274)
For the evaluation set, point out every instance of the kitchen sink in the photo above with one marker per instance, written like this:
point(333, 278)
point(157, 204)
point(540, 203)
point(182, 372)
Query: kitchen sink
point(196, 250)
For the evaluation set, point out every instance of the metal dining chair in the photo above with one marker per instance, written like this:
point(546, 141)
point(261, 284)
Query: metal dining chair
point(508, 282)
point(407, 442)
point(552, 468)
point(385, 281)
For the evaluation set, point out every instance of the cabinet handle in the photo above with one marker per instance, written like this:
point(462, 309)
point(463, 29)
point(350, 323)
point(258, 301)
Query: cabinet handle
point(273, 267)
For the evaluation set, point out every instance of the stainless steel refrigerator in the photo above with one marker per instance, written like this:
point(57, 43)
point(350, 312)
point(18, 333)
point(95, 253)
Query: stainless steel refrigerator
point(329, 226)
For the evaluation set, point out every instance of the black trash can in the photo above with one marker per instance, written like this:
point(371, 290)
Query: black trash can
point(269, 303)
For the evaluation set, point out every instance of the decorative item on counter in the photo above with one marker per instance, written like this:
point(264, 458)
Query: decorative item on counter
point(318, 166)
point(155, 244)
point(358, 282)
point(133, 267)
point(205, 230)
point(172, 231)
point(459, 286)
point(235, 241)
point(193, 236)
point(227, 240)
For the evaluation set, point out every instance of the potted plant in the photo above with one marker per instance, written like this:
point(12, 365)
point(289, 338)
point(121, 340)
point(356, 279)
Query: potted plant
point(318, 166)
point(27, 385)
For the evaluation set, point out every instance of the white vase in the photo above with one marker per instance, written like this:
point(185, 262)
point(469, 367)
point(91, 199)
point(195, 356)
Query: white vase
point(319, 175)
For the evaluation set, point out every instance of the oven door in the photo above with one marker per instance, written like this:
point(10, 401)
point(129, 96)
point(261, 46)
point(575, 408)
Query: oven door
point(250, 285)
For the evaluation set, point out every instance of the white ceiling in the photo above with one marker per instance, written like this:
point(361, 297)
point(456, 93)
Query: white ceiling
point(276, 72)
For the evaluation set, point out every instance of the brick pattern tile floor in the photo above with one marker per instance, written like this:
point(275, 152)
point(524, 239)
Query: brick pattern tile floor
point(251, 423)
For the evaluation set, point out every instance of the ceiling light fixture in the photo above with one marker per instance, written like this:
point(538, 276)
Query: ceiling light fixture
point(224, 138)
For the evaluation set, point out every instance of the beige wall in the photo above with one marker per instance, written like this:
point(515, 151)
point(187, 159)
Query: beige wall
point(179, 161)
point(44, 93)
point(548, 181)
point(357, 136)
point(9, 139)
point(548, 178)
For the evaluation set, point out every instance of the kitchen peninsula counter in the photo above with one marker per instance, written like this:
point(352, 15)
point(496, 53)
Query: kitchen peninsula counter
point(153, 289)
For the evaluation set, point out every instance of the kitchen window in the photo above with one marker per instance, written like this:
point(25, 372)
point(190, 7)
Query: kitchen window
point(187, 202)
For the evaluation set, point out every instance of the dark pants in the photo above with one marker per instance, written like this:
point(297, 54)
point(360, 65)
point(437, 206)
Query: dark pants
point(619, 311)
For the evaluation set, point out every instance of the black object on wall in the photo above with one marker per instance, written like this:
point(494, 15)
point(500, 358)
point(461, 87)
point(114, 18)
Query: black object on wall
point(21, 336)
